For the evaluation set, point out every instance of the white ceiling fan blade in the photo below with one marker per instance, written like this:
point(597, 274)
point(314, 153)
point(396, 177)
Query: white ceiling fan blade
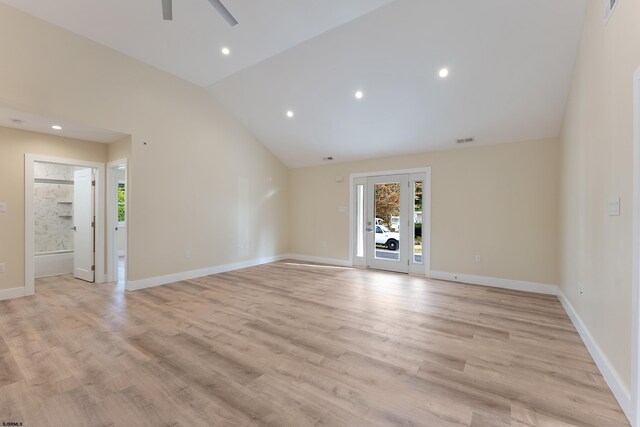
point(217, 4)
point(167, 10)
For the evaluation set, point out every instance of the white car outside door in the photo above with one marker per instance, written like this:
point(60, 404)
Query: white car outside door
point(387, 238)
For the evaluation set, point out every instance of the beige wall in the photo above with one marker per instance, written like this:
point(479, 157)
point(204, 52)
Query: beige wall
point(235, 207)
point(14, 144)
point(498, 201)
point(119, 150)
point(596, 152)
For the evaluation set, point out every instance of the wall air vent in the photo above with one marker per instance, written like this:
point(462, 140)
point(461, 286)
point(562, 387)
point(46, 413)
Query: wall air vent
point(464, 140)
point(609, 6)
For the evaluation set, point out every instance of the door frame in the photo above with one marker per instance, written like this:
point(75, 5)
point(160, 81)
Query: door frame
point(112, 219)
point(426, 213)
point(635, 302)
point(29, 228)
point(403, 263)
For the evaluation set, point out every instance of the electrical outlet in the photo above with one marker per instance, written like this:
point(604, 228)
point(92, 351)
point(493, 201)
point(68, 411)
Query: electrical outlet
point(187, 254)
point(3, 207)
point(2, 267)
point(478, 259)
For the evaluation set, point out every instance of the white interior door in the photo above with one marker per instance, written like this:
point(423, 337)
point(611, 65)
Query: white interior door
point(387, 215)
point(83, 220)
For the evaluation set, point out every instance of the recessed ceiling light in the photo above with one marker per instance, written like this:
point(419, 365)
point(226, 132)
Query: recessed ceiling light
point(359, 94)
point(444, 72)
point(225, 51)
point(56, 127)
point(290, 114)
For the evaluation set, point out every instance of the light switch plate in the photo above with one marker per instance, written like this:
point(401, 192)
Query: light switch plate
point(343, 209)
point(1, 267)
point(3, 207)
point(613, 207)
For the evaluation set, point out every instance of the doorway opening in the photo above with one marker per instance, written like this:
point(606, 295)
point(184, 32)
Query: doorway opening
point(390, 220)
point(64, 221)
point(117, 214)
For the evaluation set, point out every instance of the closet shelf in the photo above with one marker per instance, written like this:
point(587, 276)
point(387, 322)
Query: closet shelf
point(52, 181)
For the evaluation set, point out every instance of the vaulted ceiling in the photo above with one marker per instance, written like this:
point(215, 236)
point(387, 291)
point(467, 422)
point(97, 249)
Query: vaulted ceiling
point(509, 62)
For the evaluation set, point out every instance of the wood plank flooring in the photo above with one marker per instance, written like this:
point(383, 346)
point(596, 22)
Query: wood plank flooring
point(293, 344)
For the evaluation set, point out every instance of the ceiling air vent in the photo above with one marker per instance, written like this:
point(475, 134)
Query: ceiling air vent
point(464, 140)
point(609, 6)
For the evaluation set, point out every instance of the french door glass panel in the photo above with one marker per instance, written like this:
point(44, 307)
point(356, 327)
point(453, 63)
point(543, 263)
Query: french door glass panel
point(360, 220)
point(387, 214)
point(417, 222)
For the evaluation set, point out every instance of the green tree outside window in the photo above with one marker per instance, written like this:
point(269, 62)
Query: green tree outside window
point(121, 196)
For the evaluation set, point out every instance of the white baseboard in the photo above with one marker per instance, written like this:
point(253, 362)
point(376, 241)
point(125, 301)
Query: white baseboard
point(11, 293)
point(319, 260)
point(609, 373)
point(134, 285)
point(517, 285)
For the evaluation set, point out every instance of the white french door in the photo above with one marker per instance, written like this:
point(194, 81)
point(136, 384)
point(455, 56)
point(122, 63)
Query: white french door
point(390, 221)
point(387, 212)
point(83, 220)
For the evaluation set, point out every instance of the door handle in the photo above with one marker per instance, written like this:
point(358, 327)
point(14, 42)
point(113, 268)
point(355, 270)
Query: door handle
point(74, 228)
point(369, 229)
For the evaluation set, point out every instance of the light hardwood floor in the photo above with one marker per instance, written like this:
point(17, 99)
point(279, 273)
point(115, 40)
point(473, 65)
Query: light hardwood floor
point(295, 345)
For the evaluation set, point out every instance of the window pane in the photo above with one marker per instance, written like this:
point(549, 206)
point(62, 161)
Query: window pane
point(121, 199)
point(360, 221)
point(417, 222)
